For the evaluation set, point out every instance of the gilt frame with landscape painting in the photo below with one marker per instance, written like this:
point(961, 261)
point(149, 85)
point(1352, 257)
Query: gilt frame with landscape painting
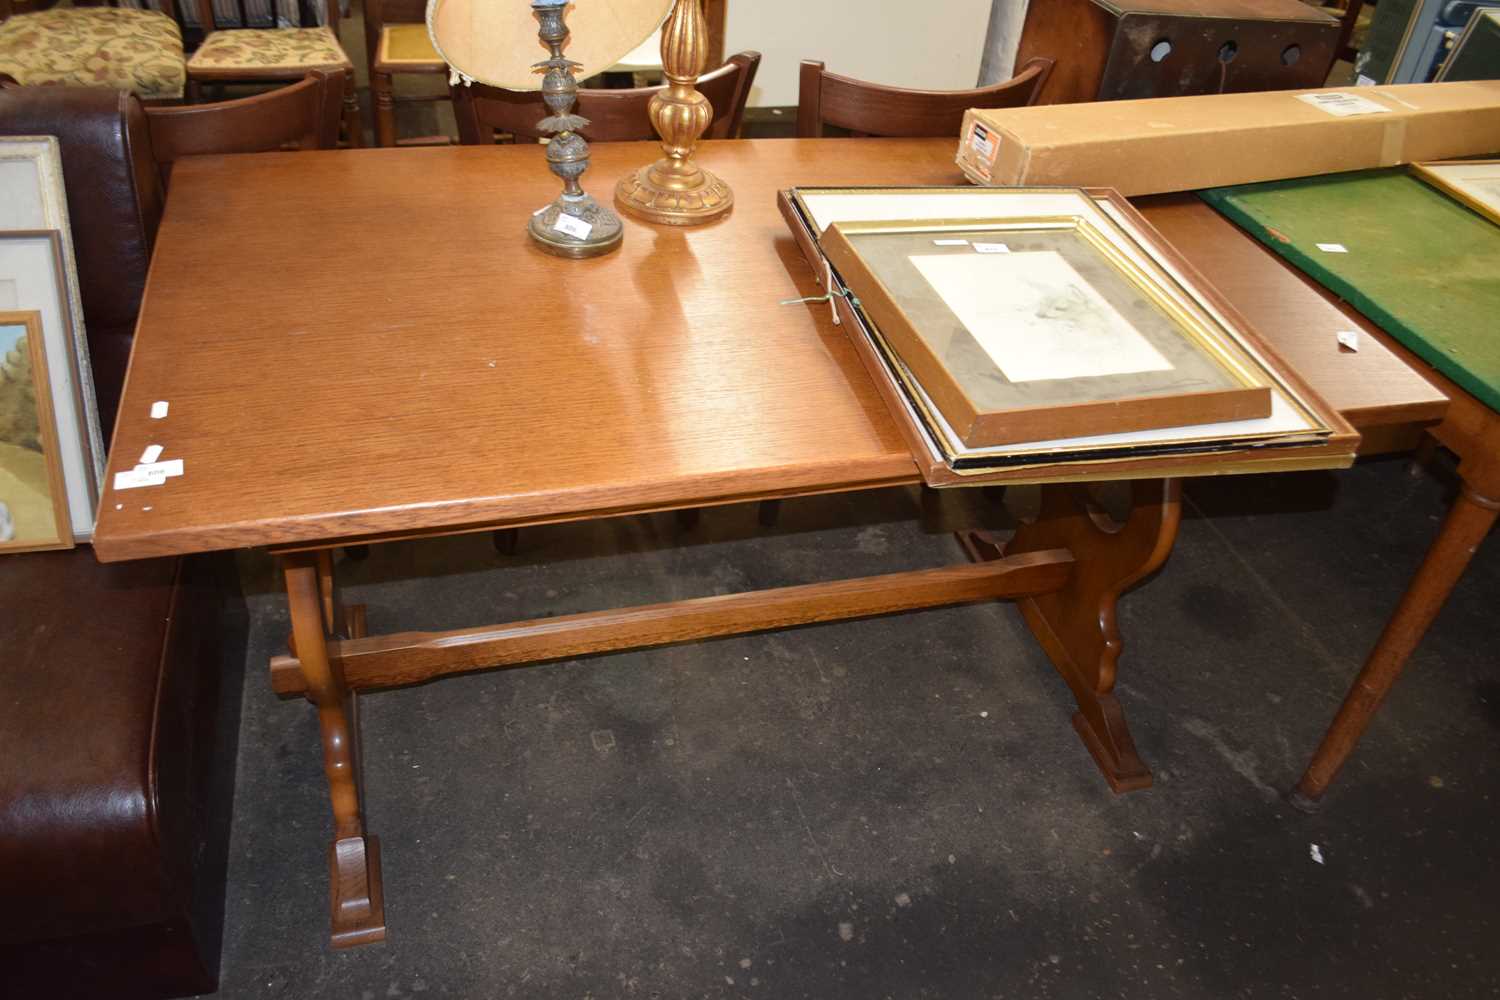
point(33, 496)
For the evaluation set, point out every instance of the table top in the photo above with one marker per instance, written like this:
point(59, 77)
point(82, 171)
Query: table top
point(1408, 256)
point(357, 345)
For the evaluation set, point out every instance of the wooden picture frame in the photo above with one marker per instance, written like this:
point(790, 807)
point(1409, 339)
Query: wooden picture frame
point(1473, 183)
point(1040, 326)
point(33, 199)
point(33, 278)
point(33, 494)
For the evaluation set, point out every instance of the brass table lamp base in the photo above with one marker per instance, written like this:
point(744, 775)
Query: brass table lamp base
point(657, 194)
point(675, 190)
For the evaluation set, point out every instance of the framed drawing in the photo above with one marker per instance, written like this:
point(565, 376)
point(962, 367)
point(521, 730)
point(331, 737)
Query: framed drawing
point(1475, 183)
point(33, 199)
point(1300, 432)
point(33, 497)
point(1041, 326)
point(33, 279)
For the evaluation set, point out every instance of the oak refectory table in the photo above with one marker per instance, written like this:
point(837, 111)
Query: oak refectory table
point(416, 369)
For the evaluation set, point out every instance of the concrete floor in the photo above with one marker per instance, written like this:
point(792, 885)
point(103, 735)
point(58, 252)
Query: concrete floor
point(897, 807)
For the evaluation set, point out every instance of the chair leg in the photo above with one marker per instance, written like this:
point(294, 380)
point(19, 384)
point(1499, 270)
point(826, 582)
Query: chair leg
point(381, 85)
point(352, 123)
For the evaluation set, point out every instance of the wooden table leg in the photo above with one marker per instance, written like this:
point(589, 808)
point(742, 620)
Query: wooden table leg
point(1464, 529)
point(357, 906)
point(1076, 624)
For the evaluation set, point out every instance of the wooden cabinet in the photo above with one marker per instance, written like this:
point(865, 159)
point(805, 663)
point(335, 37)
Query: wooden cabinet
point(1107, 50)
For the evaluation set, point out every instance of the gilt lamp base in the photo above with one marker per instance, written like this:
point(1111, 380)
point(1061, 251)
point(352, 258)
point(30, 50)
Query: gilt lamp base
point(656, 195)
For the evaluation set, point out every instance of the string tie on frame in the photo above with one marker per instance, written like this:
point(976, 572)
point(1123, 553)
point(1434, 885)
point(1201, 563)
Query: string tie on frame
point(827, 296)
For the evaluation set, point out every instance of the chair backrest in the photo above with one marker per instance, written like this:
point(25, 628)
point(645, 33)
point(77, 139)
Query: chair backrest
point(211, 14)
point(614, 115)
point(862, 108)
point(304, 115)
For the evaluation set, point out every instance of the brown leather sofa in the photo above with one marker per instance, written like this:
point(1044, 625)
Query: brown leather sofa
point(119, 684)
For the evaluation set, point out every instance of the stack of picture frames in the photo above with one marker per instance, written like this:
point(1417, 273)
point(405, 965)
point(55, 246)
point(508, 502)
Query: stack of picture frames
point(51, 450)
point(1051, 335)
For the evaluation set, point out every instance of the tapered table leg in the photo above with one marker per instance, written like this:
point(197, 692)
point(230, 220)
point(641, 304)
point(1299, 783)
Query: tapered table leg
point(1076, 624)
point(356, 902)
point(1464, 529)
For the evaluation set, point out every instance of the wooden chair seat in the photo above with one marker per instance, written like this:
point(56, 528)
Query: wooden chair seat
point(270, 53)
point(864, 108)
point(275, 54)
point(614, 115)
point(135, 50)
point(407, 48)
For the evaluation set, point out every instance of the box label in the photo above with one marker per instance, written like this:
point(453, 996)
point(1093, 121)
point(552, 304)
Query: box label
point(986, 147)
point(1342, 105)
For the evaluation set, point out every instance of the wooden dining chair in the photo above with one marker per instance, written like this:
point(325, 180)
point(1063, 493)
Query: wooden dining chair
point(397, 44)
point(614, 115)
point(862, 108)
point(137, 48)
point(259, 50)
point(305, 115)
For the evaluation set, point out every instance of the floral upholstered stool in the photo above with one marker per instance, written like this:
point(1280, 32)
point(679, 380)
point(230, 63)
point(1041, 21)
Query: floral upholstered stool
point(135, 50)
point(255, 55)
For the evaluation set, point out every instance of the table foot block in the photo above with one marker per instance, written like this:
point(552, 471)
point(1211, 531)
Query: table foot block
point(1121, 767)
point(357, 900)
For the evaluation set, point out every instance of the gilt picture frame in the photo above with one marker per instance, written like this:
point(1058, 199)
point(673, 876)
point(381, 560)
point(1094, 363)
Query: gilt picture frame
point(33, 495)
point(1473, 183)
point(33, 278)
point(1039, 326)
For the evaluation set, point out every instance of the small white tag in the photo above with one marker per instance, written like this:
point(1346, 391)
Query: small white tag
point(163, 470)
point(1364, 81)
point(158, 409)
point(1344, 105)
point(132, 478)
point(1333, 248)
point(950, 243)
point(573, 226)
point(991, 248)
point(1350, 339)
point(151, 454)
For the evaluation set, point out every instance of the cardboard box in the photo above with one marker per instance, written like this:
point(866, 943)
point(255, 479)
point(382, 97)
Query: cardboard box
point(1186, 143)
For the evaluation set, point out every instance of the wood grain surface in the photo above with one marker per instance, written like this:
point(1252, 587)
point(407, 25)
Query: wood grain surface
point(360, 342)
point(1370, 387)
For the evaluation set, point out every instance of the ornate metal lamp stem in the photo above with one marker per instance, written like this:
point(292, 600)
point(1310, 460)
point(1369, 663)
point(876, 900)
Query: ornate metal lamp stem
point(575, 225)
point(674, 189)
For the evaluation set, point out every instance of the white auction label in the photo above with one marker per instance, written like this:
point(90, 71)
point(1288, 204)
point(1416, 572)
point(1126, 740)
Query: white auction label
point(1333, 248)
point(151, 454)
point(991, 248)
point(950, 243)
point(1342, 105)
point(148, 474)
point(573, 226)
point(159, 409)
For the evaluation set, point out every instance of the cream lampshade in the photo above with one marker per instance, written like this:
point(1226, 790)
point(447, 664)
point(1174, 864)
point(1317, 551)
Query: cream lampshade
point(495, 41)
